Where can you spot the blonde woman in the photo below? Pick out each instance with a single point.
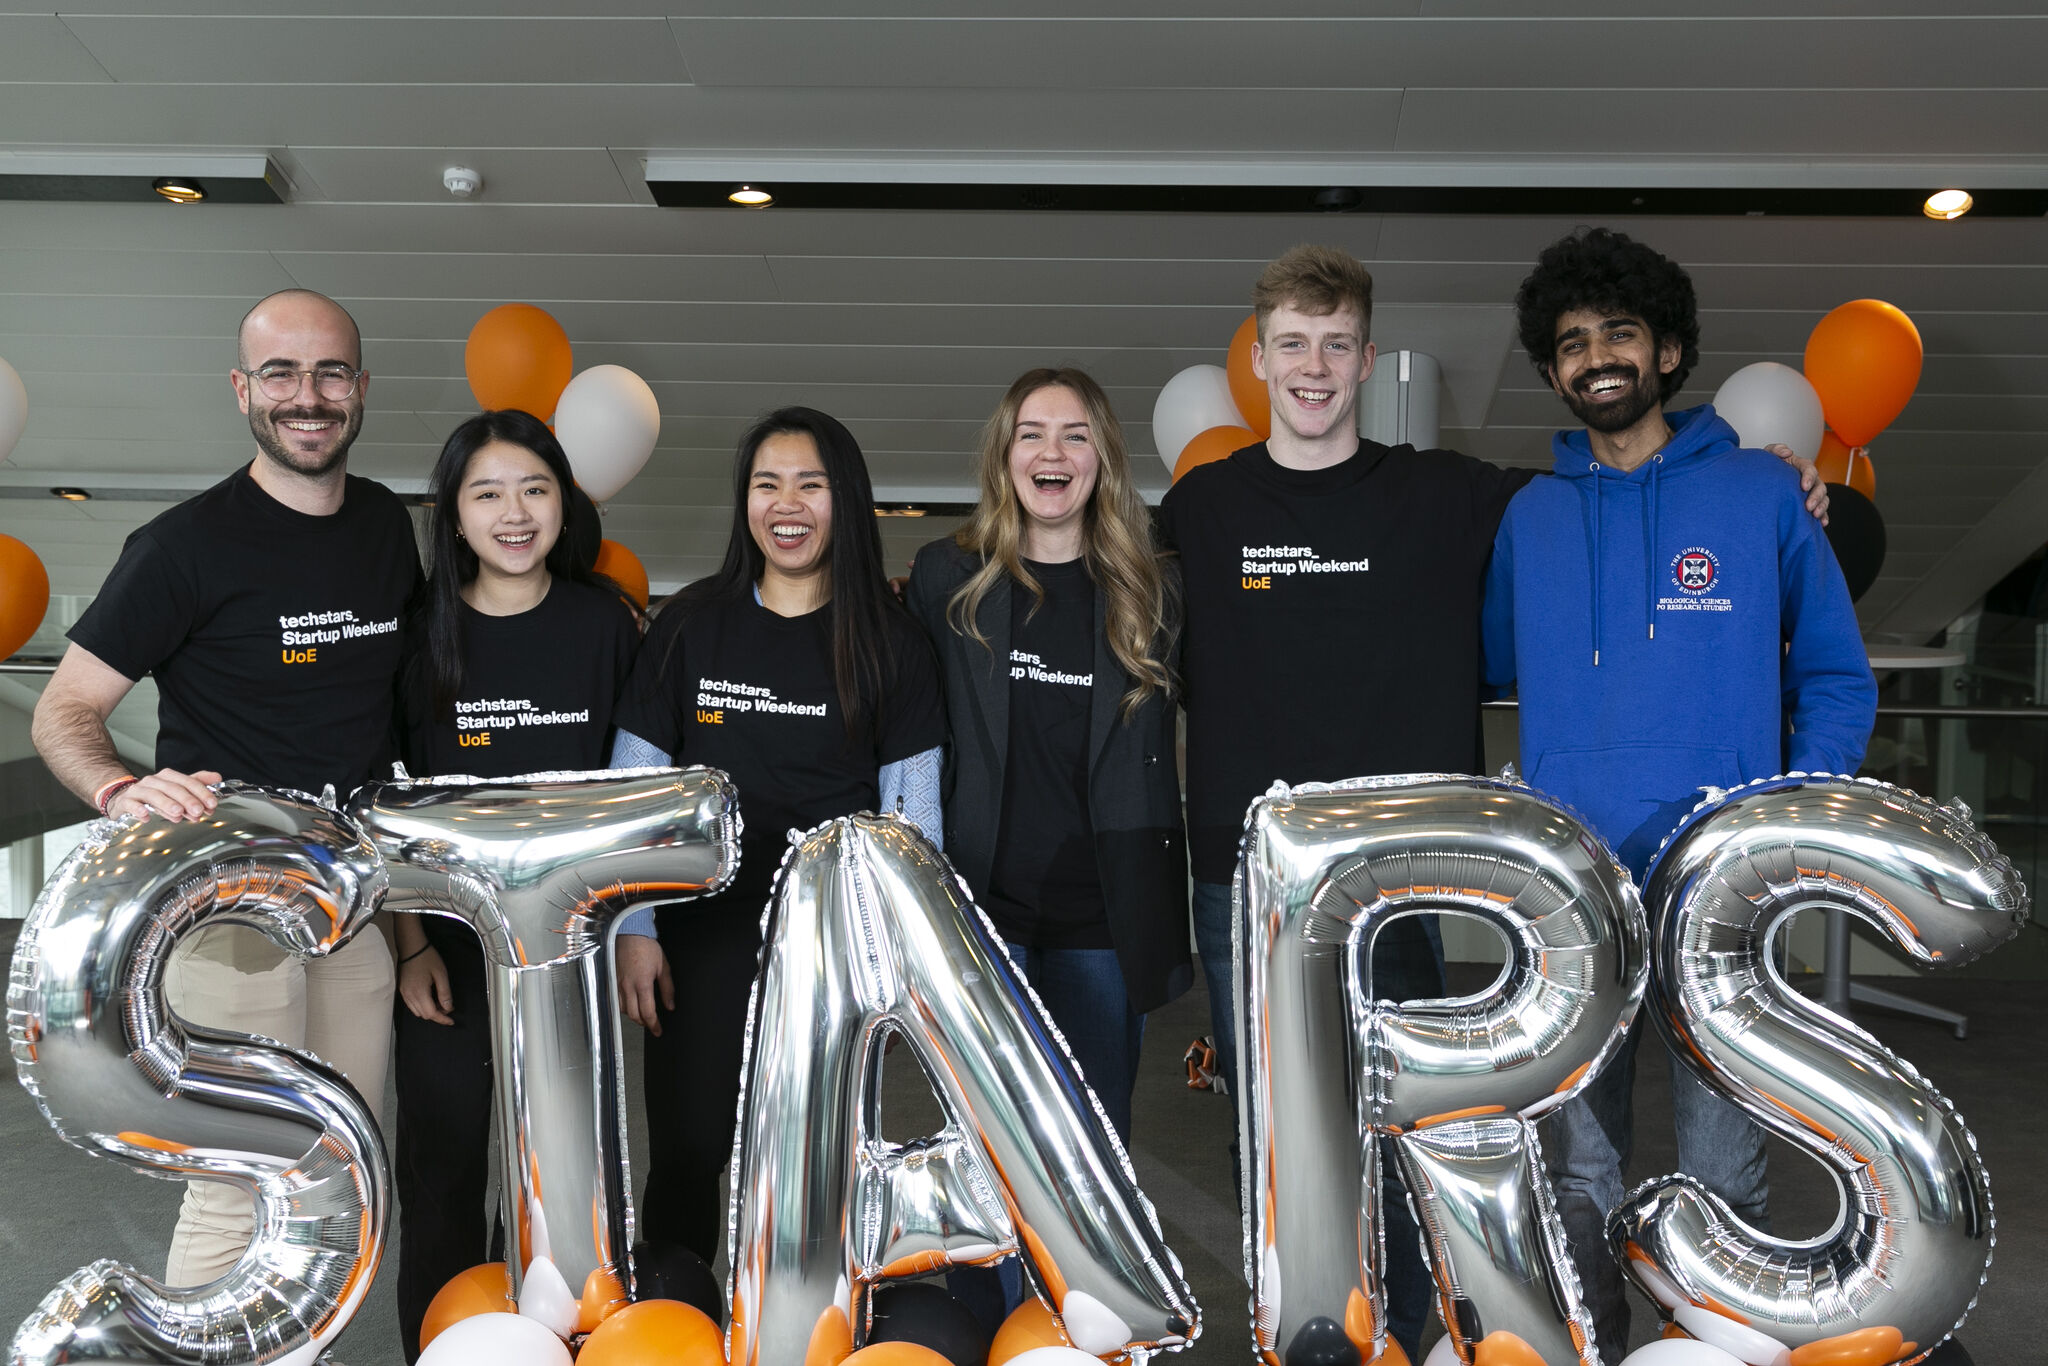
(1054, 615)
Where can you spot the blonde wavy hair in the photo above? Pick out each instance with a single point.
(1116, 533)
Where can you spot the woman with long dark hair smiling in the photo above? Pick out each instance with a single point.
(799, 618)
(517, 655)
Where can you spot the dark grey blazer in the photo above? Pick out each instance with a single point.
(1133, 779)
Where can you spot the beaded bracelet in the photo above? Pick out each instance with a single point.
(104, 798)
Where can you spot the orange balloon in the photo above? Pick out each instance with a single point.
(1214, 444)
(623, 568)
(1864, 1347)
(517, 357)
(831, 1339)
(896, 1354)
(603, 1297)
(655, 1333)
(1502, 1348)
(1247, 390)
(24, 594)
(1029, 1326)
(1672, 1330)
(1395, 1355)
(479, 1290)
(1840, 465)
(1864, 361)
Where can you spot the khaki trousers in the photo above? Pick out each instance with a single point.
(337, 1008)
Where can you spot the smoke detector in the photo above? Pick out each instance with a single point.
(462, 182)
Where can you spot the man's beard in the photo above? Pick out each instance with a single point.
(1617, 415)
(263, 425)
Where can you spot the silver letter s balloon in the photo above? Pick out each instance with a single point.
(539, 866)
(1328, 1068)
(1914, 1238)
(115, 1073)
(871, 935)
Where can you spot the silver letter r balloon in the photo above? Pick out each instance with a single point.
(1329, 1069)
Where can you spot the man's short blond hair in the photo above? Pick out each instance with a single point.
(1317, 281)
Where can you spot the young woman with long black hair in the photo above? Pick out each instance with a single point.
(512, 628)
(1054, 616)
(799, 614)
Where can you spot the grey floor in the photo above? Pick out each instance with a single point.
(60, 1208)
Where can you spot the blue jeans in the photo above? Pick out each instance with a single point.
(1587, 1147)
(1083, 991)
(1407, 962)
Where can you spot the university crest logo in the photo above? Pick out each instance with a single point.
(1695, 569)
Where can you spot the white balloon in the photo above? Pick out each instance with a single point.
(13, 408)
(499, 1339)
(1189, 404)
(607, 421)
(1736, 1339)
(1443, 1354)
(1663, 1352)
(544, 1297)
(1768, 402)
(1054, 1356)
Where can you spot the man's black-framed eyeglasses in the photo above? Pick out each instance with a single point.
(280, 382)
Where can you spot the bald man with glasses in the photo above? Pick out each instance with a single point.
(269, 611)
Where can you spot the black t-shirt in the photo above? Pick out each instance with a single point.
(537, 689)
(735, 686)
(1045, 889)
(1332, 623)
(273, 635)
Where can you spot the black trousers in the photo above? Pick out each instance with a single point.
(692, 1071)
(442, 1154)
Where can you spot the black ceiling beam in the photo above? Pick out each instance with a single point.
(134, 189)
(1520, 200)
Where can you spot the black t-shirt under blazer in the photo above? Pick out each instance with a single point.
(274, 636)
(1045, 890)
(1332, 623)
(1133, 787)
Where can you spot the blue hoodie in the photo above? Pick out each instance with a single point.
(1646, 618)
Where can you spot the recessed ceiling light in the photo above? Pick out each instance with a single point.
(751, 196)
(1945, 204)
(71, 495)
(898, 510)
(179, 189)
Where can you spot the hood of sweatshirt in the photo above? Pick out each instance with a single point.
(1699, 437)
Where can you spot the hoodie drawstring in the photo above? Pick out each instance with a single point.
(1651, 529)
(1650, 550)
(1593, 545)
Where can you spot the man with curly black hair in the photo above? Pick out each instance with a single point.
(1665, 606)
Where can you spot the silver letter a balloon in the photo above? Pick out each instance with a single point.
(117, 1074)
(1328, 1068)
(540, 866)
(1914, 1237)
(869, 935)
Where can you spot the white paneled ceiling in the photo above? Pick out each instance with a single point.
(909, 325)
